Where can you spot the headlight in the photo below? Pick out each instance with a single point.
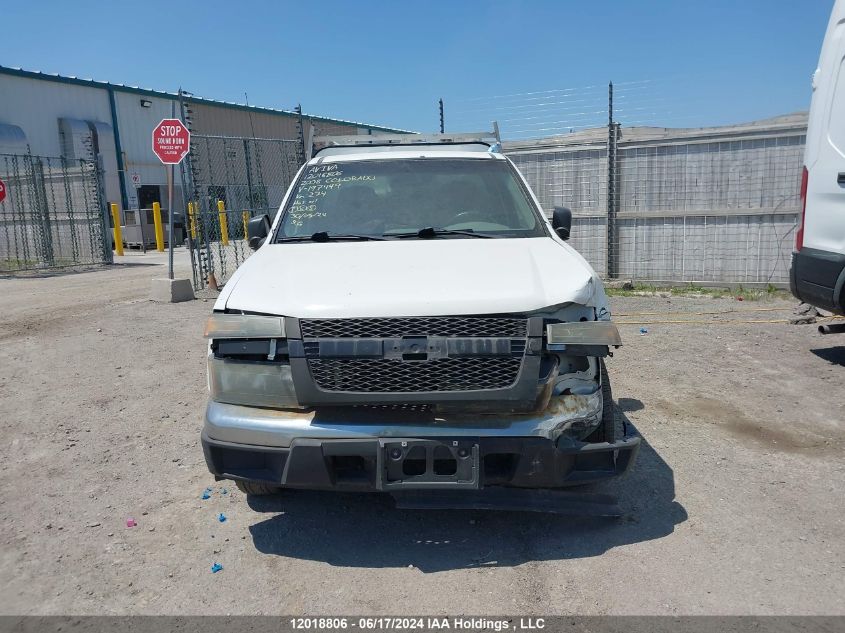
(244, 326)
(561, 336)
(253, 384)
(248, 361)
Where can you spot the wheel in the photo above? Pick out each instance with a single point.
(256, 488)
(611, 428)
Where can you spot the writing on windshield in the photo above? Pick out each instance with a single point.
(384, 197)
(318, 181)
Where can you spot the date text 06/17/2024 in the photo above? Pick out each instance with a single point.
(387, 623)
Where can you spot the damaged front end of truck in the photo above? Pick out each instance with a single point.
(413, 324)
(472, 402)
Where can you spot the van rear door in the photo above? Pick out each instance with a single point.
(819, 263)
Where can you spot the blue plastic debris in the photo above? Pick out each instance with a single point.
(643, 330)
(224, 492)
(221, 517)
(216, 567)
(206, 494)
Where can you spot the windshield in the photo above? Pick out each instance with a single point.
(402, 197)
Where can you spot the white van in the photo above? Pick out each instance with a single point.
(818, 262)
(411, 320)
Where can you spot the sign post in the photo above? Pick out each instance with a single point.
(171, 143)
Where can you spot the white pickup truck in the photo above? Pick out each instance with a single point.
(412, 321)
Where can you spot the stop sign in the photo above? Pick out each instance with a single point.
(171, 141)
(2, 191)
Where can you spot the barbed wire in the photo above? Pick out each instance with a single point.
(656, 102)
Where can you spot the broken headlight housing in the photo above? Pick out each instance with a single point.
(578, 345)
(248, 362)
(587, 338)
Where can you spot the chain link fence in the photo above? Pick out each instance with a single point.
(575, 178)
(681, 210)
(706, 205)
(52, 216)
(655, 203)
(232, 179)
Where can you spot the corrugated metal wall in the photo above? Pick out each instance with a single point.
(37, 106)
(136, 123)
(221, 121)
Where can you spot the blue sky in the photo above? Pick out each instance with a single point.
(675, 63)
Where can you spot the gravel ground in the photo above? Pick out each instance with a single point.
(734, 505)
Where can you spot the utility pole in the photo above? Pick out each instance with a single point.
(301, 153)
(189, 194)
(612, 246)
(442, 125)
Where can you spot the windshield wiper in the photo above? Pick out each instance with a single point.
(430, 231)
(325, 236)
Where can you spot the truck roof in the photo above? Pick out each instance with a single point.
(399, 152)
(398, 146)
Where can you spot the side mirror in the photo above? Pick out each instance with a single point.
(562, 222)
(257, 229)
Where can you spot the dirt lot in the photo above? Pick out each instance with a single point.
(734, 506)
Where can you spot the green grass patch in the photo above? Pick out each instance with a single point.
(693, 290)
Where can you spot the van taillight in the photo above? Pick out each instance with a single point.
(799, 236)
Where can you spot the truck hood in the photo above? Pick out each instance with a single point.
(409, 278)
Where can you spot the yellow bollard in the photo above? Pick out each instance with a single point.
(118, 234)
(224, 223)
(246, 221)
(193, 220)
(159, 228)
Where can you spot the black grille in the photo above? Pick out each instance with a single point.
(413, 326)
(441, 374)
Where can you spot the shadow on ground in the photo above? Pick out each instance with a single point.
(630, 404)
(70, 270)
(833, 355)
(364, 530)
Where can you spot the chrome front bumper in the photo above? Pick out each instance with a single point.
(277, 428)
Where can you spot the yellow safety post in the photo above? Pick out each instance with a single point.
(224, 223)
(159, 227)
(118, 234)
(193, 220)
(246, 221)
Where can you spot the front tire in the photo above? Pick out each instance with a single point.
(612, 427)
(257, 488)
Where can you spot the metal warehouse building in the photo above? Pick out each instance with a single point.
(55, 116)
